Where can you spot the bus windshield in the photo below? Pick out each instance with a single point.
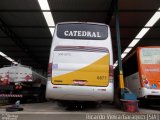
(150, 56)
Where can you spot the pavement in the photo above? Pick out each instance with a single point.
(52, 111)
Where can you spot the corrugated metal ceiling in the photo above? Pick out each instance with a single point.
(25, 20)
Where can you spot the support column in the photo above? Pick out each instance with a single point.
(120, 69)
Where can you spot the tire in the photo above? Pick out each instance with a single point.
(13, 109)
(144, 103)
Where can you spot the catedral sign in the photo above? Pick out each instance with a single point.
(82, 31)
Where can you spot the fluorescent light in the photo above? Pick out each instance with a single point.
(127, 50)
(49, 18)
(115, 65)
(142, 32)
(15, 62)
(52, 30)
(116, 62)
(44, 4)
(134, 42)
(47, 15)
(153, 19)
(8, 58)
(2, 54)
(123, 55)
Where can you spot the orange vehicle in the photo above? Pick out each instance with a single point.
(146, 80)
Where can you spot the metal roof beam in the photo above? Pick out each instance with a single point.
(26, 37)
(46, 27)
(37, 38)
(67, 10)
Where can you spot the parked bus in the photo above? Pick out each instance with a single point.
(81, 63)
(144, 78)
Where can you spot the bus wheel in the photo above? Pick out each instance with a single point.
(144, 103)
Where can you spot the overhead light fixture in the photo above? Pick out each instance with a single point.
(123, 55)
(127, 50)
(47, 15)
(2, 54)
(49, 18)
(52, 30)
(142, 33)
(44, 4)
(115, 65)
(15, 62)
(153, 19)
(134, 42)
(8, 58)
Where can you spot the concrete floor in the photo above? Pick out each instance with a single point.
(51, 111)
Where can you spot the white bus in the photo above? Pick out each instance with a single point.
(81, 63)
